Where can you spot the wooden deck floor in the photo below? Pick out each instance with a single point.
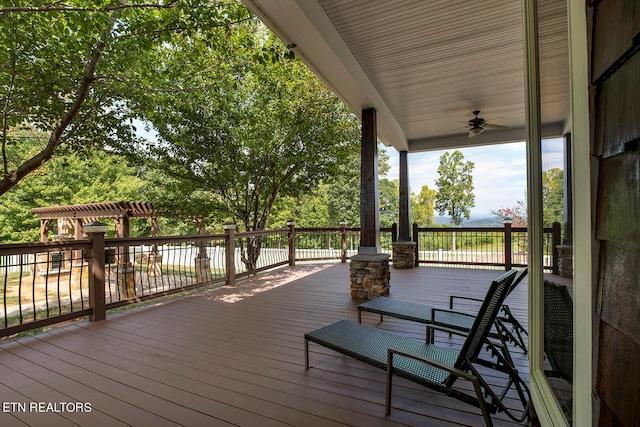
(234, 356)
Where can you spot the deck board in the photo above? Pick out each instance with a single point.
(235, 356)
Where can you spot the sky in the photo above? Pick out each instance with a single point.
(499, 175)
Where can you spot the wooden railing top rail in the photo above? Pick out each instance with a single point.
(476, 229)
(261, 232)
(133, 241)
(32, 248)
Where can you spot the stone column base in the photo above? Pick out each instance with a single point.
(404, 254)
(369, 276)
(154, 266)
(203, 270)
(79, 275)
(565, 260)
(127, 282)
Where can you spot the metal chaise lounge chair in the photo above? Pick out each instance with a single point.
(442, 318)
(558, 330)
(435, 367)
(511, 329)
(558, 337)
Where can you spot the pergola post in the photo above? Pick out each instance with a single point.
(44, 230)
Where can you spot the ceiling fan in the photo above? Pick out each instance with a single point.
(478, 124)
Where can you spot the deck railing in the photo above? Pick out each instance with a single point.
(46, 283)
(499, 246)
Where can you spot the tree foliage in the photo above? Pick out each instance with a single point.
(455, 187)
(66, 70)
(258, 127)
(552, 201)
(552, 196)
(389, 201)
(75, 178)
(422, 207)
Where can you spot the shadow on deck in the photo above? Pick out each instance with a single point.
(234, 356)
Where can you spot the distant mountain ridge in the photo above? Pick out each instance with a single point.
(474, 221)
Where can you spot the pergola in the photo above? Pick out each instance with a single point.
(78, 215)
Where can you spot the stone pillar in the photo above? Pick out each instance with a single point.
(203, 269)
(154, 265)
(369, 276)
(79, 267)
(404, 254)
(40, 267)
(565, 260)
(126, 281)
(79, 275)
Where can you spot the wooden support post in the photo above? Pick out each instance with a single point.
(95, 231)
(415, 239)
(568, 192)
(343, 240)
(507, 246)
(556, 240)
(44, 230)
(369, 197)
(230, 253)
(292, 242)
(404, 219)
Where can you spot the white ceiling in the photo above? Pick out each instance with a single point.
(426, 65)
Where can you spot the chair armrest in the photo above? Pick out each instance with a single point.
(452, 297)
(454, 371)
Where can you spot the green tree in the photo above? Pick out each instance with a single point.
(422, 207)
(67, 68)
(259, 127)
(552, 201)
(183, 208)
(455, 188)
(344, 192)
(343, 202)
(65, 180)
(552, 196)
(389, 201)
(308, 210)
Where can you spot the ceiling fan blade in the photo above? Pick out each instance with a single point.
(495, 119)
(492, 126)
(475, 131)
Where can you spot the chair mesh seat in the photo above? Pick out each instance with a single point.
(401, 309)
(370, 345)
(453, 320)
